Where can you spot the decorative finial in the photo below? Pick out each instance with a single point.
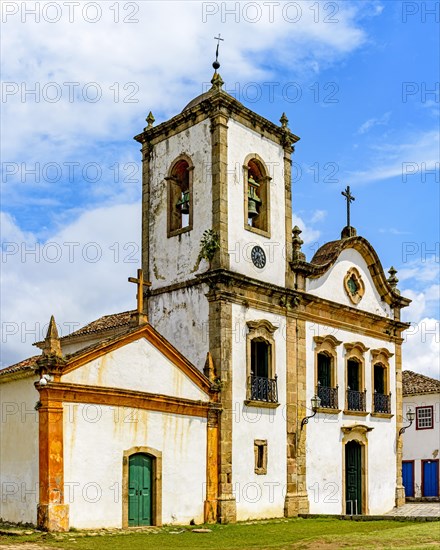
(52, 344)
(393, 280)
(284, 121)
(297, 242)
(216, 63)
(348, 231)
(150, 120)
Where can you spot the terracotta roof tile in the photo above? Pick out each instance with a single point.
(415, 383)
(107, 322)
(26, 364)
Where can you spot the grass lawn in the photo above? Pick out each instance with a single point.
(282, 534)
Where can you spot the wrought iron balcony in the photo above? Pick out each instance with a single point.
(356, 400)
(382, 403)
(328, 396)
(263, 389)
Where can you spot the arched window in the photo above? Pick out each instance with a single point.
(260, 363)
(380, 370)
(180, 200)
(256, 196)
(326, 371)
(355, 378)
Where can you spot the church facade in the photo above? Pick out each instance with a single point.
(249, 382)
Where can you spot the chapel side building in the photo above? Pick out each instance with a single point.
(421, 440)
(277, 328)
(193, 407)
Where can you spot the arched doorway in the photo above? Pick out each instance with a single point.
(353, 478)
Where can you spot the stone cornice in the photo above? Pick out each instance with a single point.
(209, 107)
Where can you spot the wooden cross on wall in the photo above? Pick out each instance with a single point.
(349, 197)
(139, 281)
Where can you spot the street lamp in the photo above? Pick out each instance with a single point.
(410, 415)
(316, 402)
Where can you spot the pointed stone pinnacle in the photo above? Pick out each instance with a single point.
(284, 121)
(52, 345)
(150, 120)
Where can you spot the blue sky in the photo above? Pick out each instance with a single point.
(357, 80)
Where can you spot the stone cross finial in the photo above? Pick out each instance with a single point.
(349, 197)
(52, 344)
(139, 281)
(392, 279)
(297, 242)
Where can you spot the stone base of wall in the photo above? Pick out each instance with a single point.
(400, 496)
(53, 517)
(296, 504)
(227, 510)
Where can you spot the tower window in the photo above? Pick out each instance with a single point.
(260, 454)
(180, 200)
(256, 200)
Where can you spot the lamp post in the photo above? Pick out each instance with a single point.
(316, 402)
(410, 415)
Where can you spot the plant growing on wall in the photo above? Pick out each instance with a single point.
(209, 244)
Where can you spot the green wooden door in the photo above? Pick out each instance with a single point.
(353, 478)
(140, 482)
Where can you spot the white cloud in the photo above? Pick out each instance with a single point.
(421, 349)
(372, 122)
(409, 160)
(77, 274)
(309, 235)
(318, 216)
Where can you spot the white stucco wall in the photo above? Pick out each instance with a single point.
(331, 284)
(257, 496)
(137, 366)
(95, 439)
(324, 435)
(19, 451)
(421, 445)
(242, 142)
(182, 318)
(173, 259)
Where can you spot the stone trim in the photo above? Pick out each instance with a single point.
(400, 489)
(261, 404)
(381, 415)
(157, 483)
(326, 410)
(147, 150)
(357, 296)
(212, 470)
(347, 412)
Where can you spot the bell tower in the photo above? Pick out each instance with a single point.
(217, 247)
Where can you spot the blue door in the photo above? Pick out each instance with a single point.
(430, 478)
(408, 477)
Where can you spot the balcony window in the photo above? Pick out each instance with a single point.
(381, 400)
(325, 391)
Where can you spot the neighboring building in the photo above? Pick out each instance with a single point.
(421, 441)
(201, 414)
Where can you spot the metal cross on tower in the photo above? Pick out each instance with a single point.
(216, 64)
(350, 198)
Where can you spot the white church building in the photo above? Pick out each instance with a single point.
(248, 383)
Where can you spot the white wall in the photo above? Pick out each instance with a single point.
(242, 142)
(182, 317)
(331, 284)
(19, 451)
(421, 445)
(324, 435)
(137, 366)
(258, 496)
(173, 259)
(95, 438)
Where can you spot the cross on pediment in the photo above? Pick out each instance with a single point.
(139, 281)
(349, 198)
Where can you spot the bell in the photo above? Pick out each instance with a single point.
(183, 203)
(253, 199)
(252, 208)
